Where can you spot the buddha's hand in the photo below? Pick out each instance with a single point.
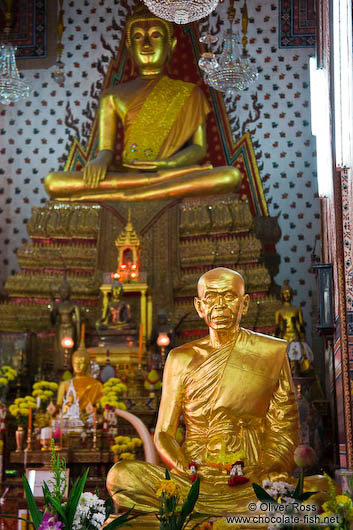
(150, 165)
(96, 170)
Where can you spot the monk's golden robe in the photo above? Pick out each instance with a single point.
(241, 394)
(154, 124)
(88, 390)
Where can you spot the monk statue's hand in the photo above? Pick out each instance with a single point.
(150, 165)
(258, 473)
(95, 171)
(180, 467)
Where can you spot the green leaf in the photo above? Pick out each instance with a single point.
(5, 516)
(262, 494)
(299, 488)
(74, 497)
(306, 495)
(58, 508)
(109, 507)
(122, 519)
(36, 514)
(167, 474)
(46, 493)
(190, 501)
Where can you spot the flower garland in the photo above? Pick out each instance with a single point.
(112, 391)
(44, 391)
(7, 374)
(125, 447)
(20, 407)
(232, 463)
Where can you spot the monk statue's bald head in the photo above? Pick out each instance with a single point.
(219, 276)
(221, 300)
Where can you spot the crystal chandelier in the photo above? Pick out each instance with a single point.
(181, 11)
(231, 71)
(12, 88)
(58, 75)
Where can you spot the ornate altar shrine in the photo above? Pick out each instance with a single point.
(121, 292)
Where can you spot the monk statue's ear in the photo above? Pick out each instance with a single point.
(197, 304)
(246, 302)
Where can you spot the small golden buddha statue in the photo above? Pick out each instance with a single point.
(235, 392)
(164, 132)
(116, 314)
(65, 315)
(290, 326)
(86, 388)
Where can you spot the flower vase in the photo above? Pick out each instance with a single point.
(19, 438)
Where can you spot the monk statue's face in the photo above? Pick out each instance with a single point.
(150, 46)
(80, 364)
(222, 300)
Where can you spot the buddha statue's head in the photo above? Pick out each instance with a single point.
(80, 361)
(64, 289)
(221, 300)
(286, 292)
(149, 40)
(117, 290)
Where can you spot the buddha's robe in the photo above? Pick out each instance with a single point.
(88, 390)
(159, 121)
(241, 394)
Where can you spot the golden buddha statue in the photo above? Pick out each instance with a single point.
(290, 326)
(87, 389)
(65, 315)
(116, 314)
(235, 392)
(164, 132)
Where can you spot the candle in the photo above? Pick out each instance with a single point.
(140, 344)
(29, 420)
(95, 428)
(61, 430)
(83, 326)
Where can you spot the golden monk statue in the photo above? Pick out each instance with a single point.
(86, 388)
(290, 326)
(235, 392)
(164, 132)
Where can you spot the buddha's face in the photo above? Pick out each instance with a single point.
(221, 301)
(286, 295)
(64, 292)
(116, 293)
(150, 46)
(79, 363)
